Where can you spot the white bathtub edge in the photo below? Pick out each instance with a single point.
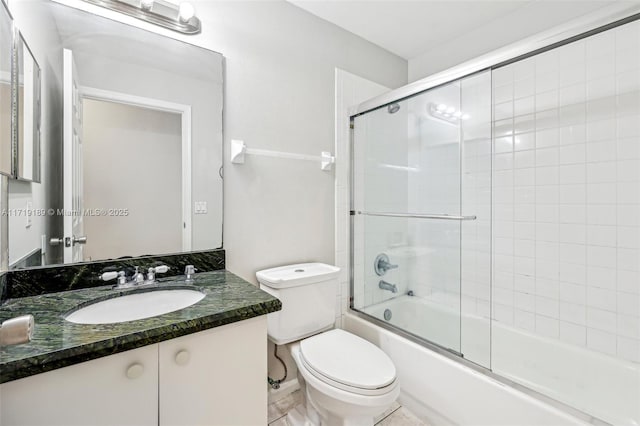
(442, 391)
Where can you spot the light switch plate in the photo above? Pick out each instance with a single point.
(200, 207)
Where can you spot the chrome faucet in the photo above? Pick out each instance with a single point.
(137, 278)
(383, 285)
(189, 271)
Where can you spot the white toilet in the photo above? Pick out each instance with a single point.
(345, 379)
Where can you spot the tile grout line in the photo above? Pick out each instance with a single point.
(390, 414)
(275, 420)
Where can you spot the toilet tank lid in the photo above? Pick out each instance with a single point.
(297, 275)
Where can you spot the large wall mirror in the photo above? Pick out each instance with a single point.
(130, 142)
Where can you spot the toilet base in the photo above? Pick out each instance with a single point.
(299, 417)
(325, 405)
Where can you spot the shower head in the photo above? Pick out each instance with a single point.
(393, 108)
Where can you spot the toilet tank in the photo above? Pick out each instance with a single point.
(308, 294)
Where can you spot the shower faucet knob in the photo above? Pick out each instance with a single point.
(382, 264)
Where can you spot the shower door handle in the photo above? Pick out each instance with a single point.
(416, 215)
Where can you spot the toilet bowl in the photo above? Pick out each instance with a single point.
(346, 380)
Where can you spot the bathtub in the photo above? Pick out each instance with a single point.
(445, 391)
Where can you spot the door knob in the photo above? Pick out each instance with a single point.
(56, 241)
(182, 357)
(79, 240)
(68, 241)
(135, 370)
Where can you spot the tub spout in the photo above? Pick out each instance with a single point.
(387, 286)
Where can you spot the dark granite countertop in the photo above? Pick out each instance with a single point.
(58, 343)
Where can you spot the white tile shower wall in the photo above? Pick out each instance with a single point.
(566, 193)
(434, 188)
(350, 90)
(475, 268)
(452, 162)
(455, 259)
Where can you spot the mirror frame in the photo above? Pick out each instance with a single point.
(13, 107)
(19, 41)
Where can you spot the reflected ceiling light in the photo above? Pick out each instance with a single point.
(158, 12)
(146, 4)
(396, 167)
(446, 113)
(186, 12)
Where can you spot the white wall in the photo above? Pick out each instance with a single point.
(147, 180)
(283, 59)
(567, 195)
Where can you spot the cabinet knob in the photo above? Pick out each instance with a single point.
(135, 370)
(182, 358)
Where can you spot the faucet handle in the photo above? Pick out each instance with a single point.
(161, 269)
(152, 271)
(382, 264)
(108, 276)
(121, 276)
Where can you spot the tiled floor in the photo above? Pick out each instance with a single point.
(394, 416)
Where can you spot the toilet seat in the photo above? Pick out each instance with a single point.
(348, 362)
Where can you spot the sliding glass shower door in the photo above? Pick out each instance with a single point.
(415, 196)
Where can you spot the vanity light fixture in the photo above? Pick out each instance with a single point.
(181, 18)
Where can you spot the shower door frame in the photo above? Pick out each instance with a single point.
(548, 40)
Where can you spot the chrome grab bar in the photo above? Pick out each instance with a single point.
(416, 216)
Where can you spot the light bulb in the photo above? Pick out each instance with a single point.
(186, 12)
(441, 107)
(466, 116)
(458, 114)
(146, 4)
(451, 110)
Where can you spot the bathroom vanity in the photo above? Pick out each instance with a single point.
(203, 365)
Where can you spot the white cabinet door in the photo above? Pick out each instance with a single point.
(215, 377)
(120, 389)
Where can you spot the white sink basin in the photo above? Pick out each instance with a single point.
(135, 306)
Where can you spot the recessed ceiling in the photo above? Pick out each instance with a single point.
(411, 28)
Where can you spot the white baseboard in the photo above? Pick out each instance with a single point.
(285, 389)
